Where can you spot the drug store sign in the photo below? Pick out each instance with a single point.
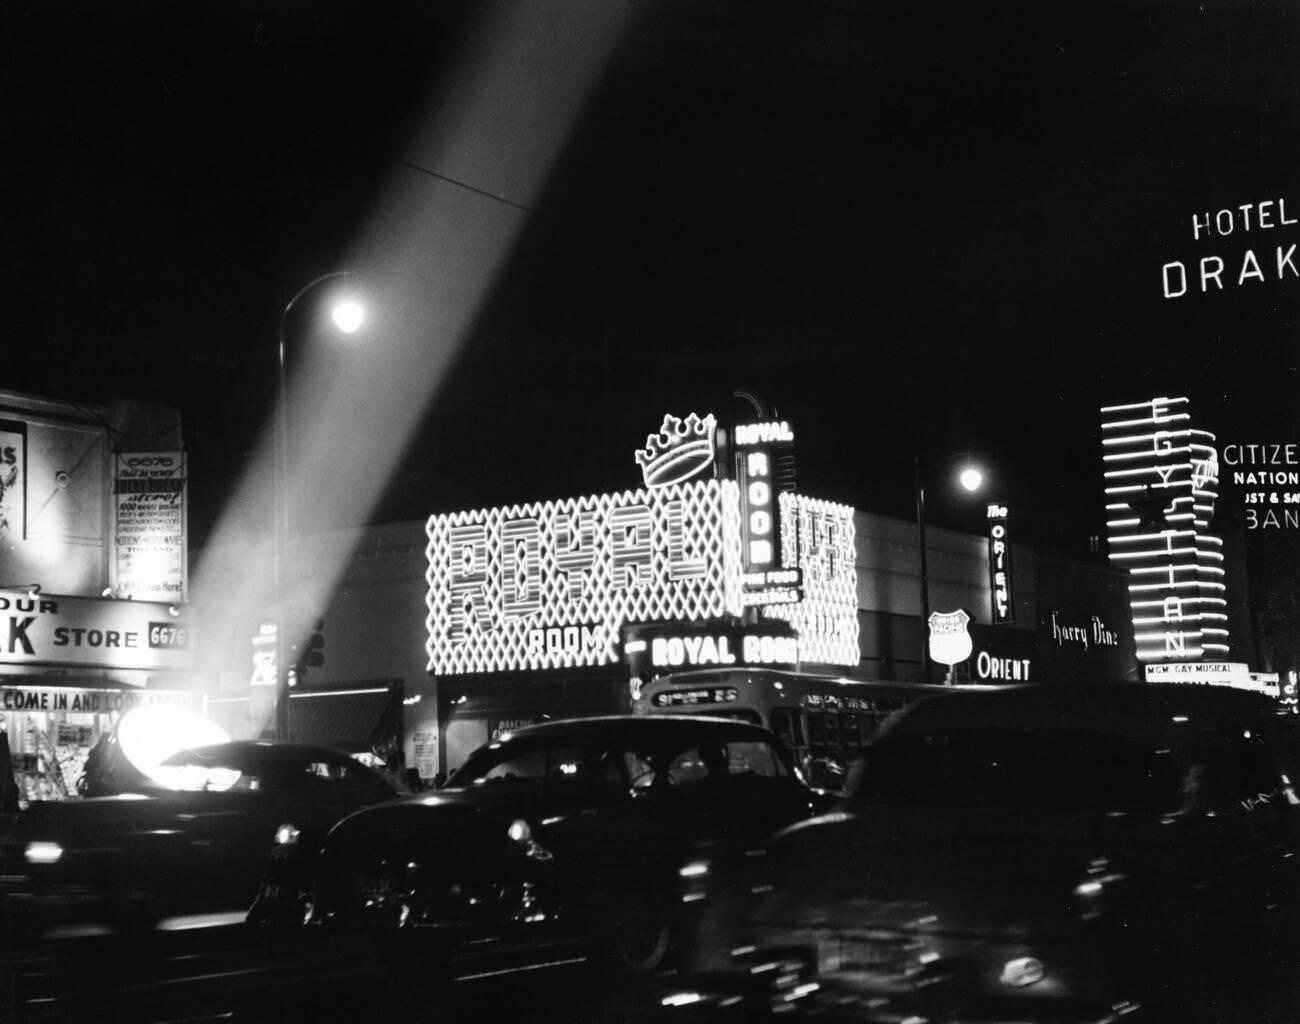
(53, 629)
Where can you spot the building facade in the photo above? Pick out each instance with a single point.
(93, 578)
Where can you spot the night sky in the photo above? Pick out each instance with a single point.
(911, 229)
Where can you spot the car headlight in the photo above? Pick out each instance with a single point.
(521, 834)
(1022, 972)
(43, 853)
(287, 835)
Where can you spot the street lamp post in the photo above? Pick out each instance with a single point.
(347, 315)
(971, 480)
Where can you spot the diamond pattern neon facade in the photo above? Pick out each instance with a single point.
(549, 585)
(1162, 482)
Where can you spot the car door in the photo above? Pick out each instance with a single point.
(1242, 842)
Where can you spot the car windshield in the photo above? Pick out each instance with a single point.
(682, 760)
(1049, 769)
(207, 770)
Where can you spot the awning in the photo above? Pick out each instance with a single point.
(364, 718)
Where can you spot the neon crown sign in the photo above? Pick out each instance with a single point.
(682, 449)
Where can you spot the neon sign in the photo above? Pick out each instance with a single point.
(681, 450)
(1162, 479)
(760, 519)
(548, 585)
(818, 537)
(1004, 609)
(652, 648)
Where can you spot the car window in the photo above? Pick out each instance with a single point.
(322, 776)
(713, 760)
(526, 761)
(1048, 769)
(788, 724)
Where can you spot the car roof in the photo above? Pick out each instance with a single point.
(1148, 711)
(640, 728)
(259, 752)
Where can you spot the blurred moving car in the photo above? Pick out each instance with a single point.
(184, 846)
(566, 832)
(1033, 854)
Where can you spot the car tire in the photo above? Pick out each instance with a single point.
(639, 939)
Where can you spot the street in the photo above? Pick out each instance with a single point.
(224, 974)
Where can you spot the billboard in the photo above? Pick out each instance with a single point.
(149, 547)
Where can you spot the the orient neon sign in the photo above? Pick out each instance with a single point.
(1162, 481)
(1004, 609)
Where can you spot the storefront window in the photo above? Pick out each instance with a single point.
(52, 730)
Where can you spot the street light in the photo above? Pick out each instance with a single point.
(971, 479)
(347, 314)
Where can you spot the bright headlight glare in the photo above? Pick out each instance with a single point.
(286, 835)
(1022, 971)
(519, 831)
(43, 853)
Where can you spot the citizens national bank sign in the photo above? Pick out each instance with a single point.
(551, 584)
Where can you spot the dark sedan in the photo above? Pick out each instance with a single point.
(578, 831)
(185, 849)
(1036, 854)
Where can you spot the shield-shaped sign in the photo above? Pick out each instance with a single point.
(950, 641)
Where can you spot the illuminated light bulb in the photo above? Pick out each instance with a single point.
(971, 479)
(348, 316)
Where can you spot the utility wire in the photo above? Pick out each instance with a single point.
(466, 187)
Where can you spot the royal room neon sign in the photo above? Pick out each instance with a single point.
(551, 585)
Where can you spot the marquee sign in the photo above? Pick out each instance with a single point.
(1162, 479)
(654, 648)
(1004, 608)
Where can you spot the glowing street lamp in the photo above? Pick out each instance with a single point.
(971, 479)
(347, 315)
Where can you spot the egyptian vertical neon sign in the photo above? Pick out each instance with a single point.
(1162, 480)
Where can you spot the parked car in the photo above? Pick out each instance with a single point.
(1033, 854)
(184, 848)
(565, 832)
